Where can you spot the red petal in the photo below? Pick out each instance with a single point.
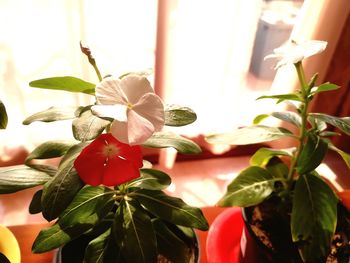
(95, 168)
(119, 171)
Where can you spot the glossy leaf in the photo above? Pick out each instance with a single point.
(61, 189)
(97, 250)
(277, 168)
(249, 188)
(152, 179)
(66, 83)
(281, 97)
(89, 205)
(262, 156)
(344, 155)
(259, 118)
(133, 230)
(176, 115)
(324, 87)
(16, 178)
(314, 216)
(88, 126)
(169, 139)
(170, 245)
(171, 209)
(250, 135)
(3, 116)
(35, 204)
(86, 210)
(342, 124)
(312, 155)
(56, 236)
(52, 114)
(288, 116)
(50, 149)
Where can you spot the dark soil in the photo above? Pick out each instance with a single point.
(270, 221)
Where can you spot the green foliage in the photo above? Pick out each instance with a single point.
(52, 114)
(132, 222)
(66, 83)
(176, 115)
(290, 174)
(16, 178)
(314, 217)
(171, 209)
(88, 126)
(250, 135)
(252, 186)
(134, 232)
(169, 139)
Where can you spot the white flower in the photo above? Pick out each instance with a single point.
(137, 111)
(292, 52)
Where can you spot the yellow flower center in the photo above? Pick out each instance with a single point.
(130, 106)
(110, 150)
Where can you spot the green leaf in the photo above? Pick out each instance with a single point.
(250, 135)
(61, 189)
(324, 87)
(87, 209)
(88, 126)
(3, 116)
(171, 209)
(176, 115)
(312, 154)
(133, 230)
(170, 245)
(262, 156)
(66, 83)
(52, 114)
(314, 217)
(277, 168)
(260, 118)
(282, 97)
(50, 149)
(249, 188)
(317, 123)
(35, 204)
(97, 250)
(342, 124)
(344, 155)
(56, 236)
(168, 139)
(288, 116)
(90, 204)
(151, 179)
(16, 178)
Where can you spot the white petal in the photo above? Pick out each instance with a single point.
(313, 47)
(134, 132)
(134, 87)
(151, 107)
(117, 112)
(120, 131)
(109, 92)
(139, 128)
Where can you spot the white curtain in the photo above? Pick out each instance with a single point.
(40, 38)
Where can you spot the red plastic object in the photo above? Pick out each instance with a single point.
(224, 236)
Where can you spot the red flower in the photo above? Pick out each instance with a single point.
(109, 162)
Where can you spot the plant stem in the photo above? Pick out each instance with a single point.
(305, 89)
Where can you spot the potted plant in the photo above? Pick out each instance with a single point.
(290, 210)
(105, 202)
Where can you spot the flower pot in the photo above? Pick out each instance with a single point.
(9, 246)
(253, 249)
